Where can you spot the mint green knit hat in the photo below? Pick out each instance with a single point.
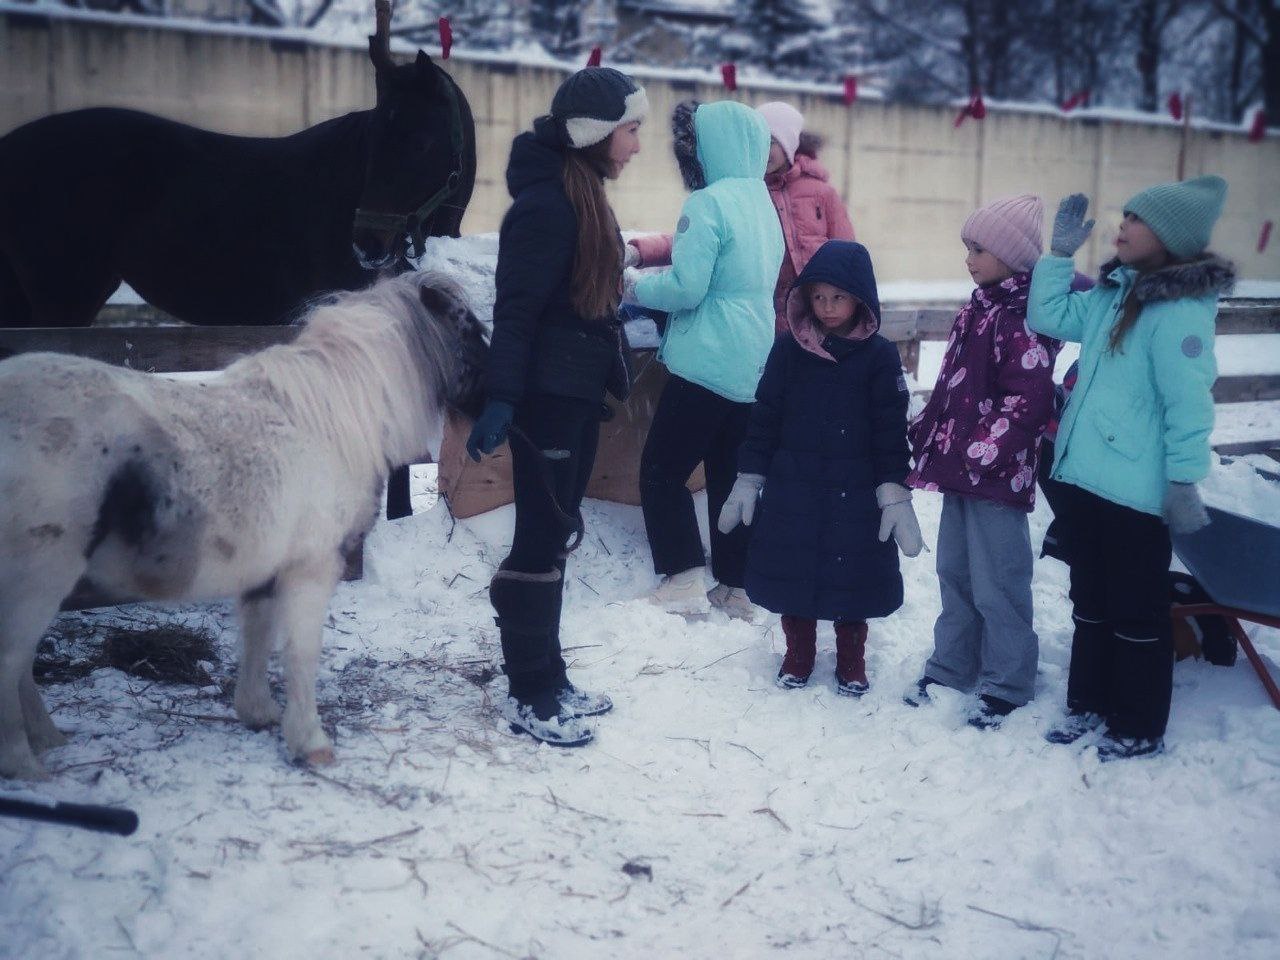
(1181, 215)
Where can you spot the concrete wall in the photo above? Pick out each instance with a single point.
(909, 176)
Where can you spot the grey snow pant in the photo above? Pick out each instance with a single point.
(984, 632)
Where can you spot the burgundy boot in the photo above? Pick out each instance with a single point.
(802, 649)
(851, 664)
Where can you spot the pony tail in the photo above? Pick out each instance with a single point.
(597, 263)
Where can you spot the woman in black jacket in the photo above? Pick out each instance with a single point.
(555, 350)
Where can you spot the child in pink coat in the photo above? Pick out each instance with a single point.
(809, 208)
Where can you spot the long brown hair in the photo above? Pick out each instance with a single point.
(1128, 317)
(597, 263)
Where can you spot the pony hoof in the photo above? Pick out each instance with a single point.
(25, 769)
(320, 757)
(48, 740)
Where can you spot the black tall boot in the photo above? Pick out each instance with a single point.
(580, 703)
(526, 605)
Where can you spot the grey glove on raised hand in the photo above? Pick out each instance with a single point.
(1183, 509)
(631, 255)
(898, 518)
(740, 506)
(629, 277)
(1070, 229)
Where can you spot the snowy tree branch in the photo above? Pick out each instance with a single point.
(1249, 29)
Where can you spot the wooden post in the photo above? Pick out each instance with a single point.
(1186, 134)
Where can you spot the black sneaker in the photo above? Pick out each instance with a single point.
(917, 694)
(851, 688)
(990, 712)
(580, 703)
(544, 719)
(1127, 748)
(789, 681)
(1073, 726)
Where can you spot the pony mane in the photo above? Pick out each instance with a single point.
(369, 372)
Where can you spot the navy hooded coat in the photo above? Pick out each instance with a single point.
(829, 425)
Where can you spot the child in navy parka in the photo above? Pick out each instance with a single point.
(827, 444)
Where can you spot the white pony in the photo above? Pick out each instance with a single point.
(247, 484)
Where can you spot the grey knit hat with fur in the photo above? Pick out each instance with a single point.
(594, 102)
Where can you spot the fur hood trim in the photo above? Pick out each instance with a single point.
(1208, 273)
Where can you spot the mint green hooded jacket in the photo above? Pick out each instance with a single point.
(1139, 417)
(725, 259)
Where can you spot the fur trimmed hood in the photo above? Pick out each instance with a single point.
(685, 144)
(1206, 274)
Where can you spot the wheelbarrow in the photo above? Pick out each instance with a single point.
(1236, 560)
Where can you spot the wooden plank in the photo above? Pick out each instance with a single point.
(157, 349)
(1258, 317)
(1244, 389)
(1270, 447)
(935, 324)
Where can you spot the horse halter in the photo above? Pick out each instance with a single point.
(412, 223)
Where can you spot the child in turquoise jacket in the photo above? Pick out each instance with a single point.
(1132, 444)
(725, 259)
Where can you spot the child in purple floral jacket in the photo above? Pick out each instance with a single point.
(976, 441)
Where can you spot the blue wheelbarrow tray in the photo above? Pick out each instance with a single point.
(1237, 561)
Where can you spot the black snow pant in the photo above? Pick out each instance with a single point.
(692, 425)
(1056, 496)
(1122, 650)
(528, 590)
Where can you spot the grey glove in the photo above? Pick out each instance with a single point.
(629, 277)
(898, 518)
(631, 258)
(1070, 229)
(1183, 509)
(740, 506)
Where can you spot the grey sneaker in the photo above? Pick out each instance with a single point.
(580, 703)
(555, 725)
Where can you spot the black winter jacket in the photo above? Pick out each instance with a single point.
(826, 431)
(540, 344)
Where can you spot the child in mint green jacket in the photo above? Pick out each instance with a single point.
(1132, 444)
(719, 292)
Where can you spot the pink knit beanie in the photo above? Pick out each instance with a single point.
(1009, 228)
(785, 125)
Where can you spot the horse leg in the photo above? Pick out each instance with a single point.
(303, 598)
(253, 701)
(73, 298)
(41, 732)
(398, 503)
(23, 619)
(15, 311)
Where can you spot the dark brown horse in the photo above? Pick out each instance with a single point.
(222, 229)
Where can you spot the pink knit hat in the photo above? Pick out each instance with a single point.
(785, 125)
(1010, 228)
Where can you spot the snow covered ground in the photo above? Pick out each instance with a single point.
(714, 815)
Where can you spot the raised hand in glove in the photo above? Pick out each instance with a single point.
(631, 255)
(1070, 229)
(740, 506)
(898, 518)
(490, 430)
(629, 278)
(1183, 509)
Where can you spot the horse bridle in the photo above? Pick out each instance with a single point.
(411, 224)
